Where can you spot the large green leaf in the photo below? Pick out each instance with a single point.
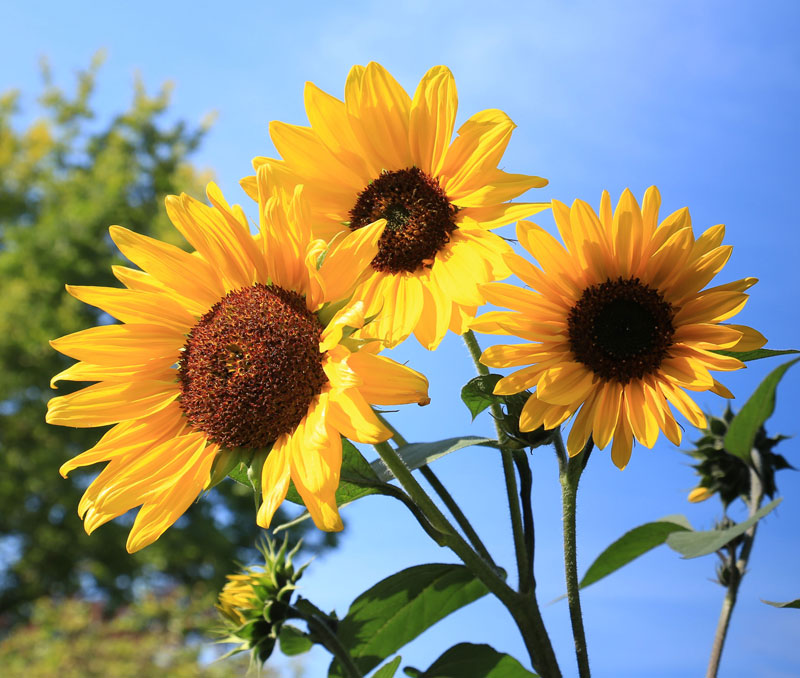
(633, 544)
(478, 393)
(467, 660)
(415, 455)
(695, 544)
(758, 354)
(758, 408)
(396, 610)
(792, 603)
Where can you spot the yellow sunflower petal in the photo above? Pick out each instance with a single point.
(350, 414)
(750, 341)
(275, 477)
(386, 382)
(348, 259)
(108, 403)
(122, 344)
(623, 444)
(432, 118)
(130, 306)
(154, 518)
(315, 468)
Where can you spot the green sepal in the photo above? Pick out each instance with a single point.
(389, 669)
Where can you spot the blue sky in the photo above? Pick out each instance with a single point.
(699, 98)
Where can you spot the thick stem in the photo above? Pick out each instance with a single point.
(526, 616)
(526, 582)
(569, 492)
(737, 567)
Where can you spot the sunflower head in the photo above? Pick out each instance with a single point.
(619, 323)
(242, 348)
(255, 602)
(726, 474)
(383, 154)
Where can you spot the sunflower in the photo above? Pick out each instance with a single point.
(382, 154)
(235, 346)
(619, 322)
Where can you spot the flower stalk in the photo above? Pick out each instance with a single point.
(570, 477)
(737, 566)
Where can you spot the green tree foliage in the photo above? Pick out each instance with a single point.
(155, 636)
(64, 178)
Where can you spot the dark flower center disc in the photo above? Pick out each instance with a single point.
(621, 329)
(419, 216)
(251, 367)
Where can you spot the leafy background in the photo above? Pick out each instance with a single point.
(700, 98)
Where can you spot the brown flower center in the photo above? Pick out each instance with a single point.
(621, 329)
(251, 367)
(420, 218)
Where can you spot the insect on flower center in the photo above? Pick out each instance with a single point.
(419, 216)
(251, 367)
(621, 329)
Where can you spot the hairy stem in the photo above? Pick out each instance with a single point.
(570, 476)
(737, 567)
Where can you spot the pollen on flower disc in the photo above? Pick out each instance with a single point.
(419, 216)
(251, 367)
(621, 329)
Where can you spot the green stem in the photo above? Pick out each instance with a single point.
(526, 616)
(737, 566)
(331, 642)
(446, 497)
(528, 582)
(570, 476)
(508, 466)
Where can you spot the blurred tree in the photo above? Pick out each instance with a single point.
(64, 179)
(155, 636)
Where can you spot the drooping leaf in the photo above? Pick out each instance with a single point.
(477, 394)
(419, 454)
(695, 544)
(758, 408)
(633, 544)
(468, 660)
(792, 603)
(758, 354)
(388, 670)
(293, 641)
(396, 610)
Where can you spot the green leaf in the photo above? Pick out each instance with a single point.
(633, 544)
(419, 454)
(357, 478)
(695, 544)
(388, 670)
(477, 393)
(758, 408)
(758, 354)
(467, 660)
(396, 610)
(293, 641)
(792, 603)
